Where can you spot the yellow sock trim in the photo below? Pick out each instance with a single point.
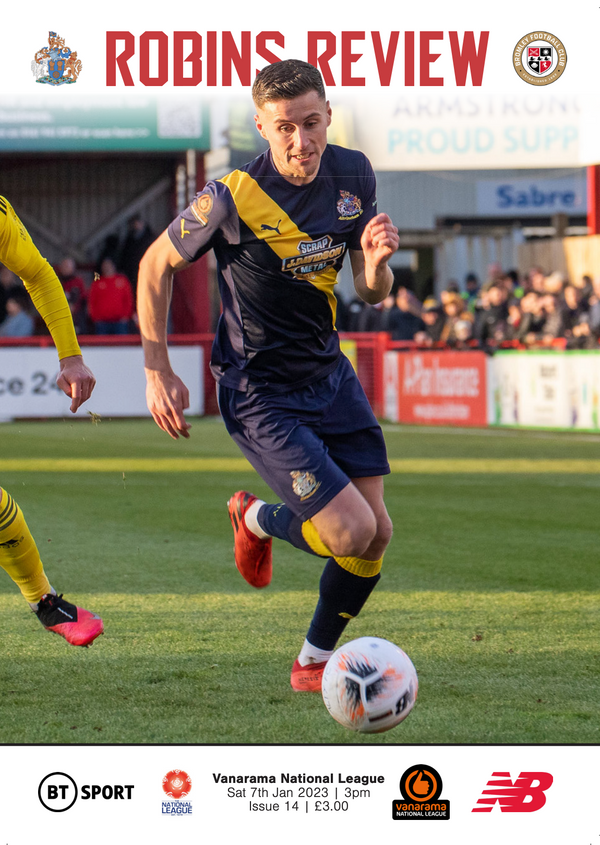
(359, 566)
(355, 565)
(18, 553)
(309, 532)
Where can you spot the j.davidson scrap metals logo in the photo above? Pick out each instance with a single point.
(540, 58)
(56, 64)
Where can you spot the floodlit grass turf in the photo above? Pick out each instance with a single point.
(491, 584)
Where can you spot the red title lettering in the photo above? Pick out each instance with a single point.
(189, 58)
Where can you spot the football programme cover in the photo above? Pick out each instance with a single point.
(148, 733)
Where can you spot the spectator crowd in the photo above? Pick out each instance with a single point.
(535, 311)
(105, 305)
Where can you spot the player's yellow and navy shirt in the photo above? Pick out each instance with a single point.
(279, 248)
(21, 256)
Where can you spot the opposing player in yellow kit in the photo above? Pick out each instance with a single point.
(19, 555)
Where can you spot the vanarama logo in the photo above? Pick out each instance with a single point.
(421, 787)
(539, 58)
(526, 795)
(314, 257)
(201, 208)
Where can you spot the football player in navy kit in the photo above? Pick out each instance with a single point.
(280, 227)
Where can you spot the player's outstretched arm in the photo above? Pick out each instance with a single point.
(373, 277)
(20, 254)
(166, 395)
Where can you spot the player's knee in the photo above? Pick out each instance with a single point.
(381, 540)
(385, 530)
(355, 536)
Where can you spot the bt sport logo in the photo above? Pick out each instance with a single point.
(58, 792)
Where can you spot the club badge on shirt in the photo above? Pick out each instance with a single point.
(349, 206)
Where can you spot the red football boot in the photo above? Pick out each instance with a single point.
(307, 678)
(76, 625)
(253, 556)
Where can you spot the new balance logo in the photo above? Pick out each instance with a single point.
(525, 795)
(266, 228)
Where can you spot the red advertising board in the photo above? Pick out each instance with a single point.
(439, 388)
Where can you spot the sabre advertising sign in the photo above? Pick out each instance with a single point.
(510, 197)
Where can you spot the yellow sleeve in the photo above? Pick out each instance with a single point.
(20, 254)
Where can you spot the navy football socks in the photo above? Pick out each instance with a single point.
(279, 521)
(342, 596)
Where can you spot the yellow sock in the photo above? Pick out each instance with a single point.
(18, 552)
(360, 566)
(312, 539)
(355, 565)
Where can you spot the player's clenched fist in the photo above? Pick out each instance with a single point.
(380, 239)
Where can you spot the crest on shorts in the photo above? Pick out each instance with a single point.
(201, 208)
(304, 484)
(56, 64)
(349, 206)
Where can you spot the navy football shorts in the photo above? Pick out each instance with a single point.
(307, 444)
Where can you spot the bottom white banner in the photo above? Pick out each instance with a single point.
(28, 381)
(294, 794)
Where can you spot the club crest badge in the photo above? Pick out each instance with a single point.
(56, 64)
(349, 207)
(539, 58)
(304, 484)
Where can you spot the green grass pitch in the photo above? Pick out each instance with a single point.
(491, 584)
